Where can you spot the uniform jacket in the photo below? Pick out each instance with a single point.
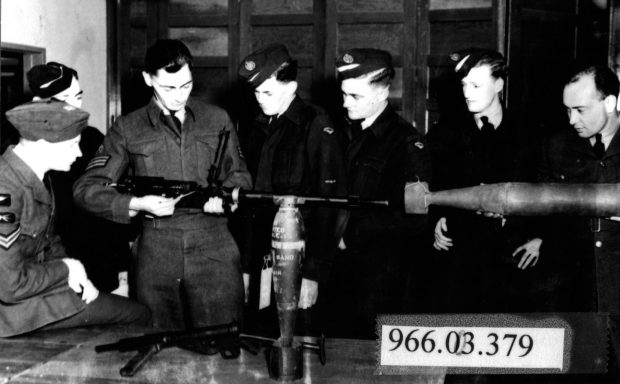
(380, 160)
(299, 153)
(145, 144)
(462, 159)
(34, 288)
(569, 158)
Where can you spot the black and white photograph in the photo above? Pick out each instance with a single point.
(310, 191)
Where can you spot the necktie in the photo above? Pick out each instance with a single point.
(598, 148)
(177, 123)
(487, 128)
(172, 122)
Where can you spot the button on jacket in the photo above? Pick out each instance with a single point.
(34, 288)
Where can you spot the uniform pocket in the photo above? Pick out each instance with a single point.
(146, 154)
(368, 176)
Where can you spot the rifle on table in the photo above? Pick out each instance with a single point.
(223, 338)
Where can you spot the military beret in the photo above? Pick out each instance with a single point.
(260, 65)
(360, 61)
(469, 58)
(53, 121)
(49, 79)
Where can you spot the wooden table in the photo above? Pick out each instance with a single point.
(68, 356)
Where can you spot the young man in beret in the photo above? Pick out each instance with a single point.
(385, 152)
(101, 245)
(40, 287)
(187, 266)
(292, 148)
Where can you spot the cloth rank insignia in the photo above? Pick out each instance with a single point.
(6, 241)
(97, 162)
(7, 217)
(5, 200)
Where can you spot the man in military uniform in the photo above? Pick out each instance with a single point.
(292, 148)
(482, 145)
(187, 266)
(590, 153)
(101, 245)
(385, 152)
(40, 287)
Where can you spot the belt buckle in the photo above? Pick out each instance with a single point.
(595, 225)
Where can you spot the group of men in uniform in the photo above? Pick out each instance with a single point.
(188, 270)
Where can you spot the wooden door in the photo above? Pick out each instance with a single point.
(221, 32)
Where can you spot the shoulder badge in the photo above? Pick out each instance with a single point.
(5, 200)
(328, 130)
(7, 217)
(6, 241)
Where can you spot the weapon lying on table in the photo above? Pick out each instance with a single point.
(223, 338)
(527, 199)
(195, 195)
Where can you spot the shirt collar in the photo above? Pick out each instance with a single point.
(293, 113)
(154, 109)
(382, 122)
(26, 175)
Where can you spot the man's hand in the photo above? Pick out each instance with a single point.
(246, 286)
(215, 206)
(308, 294)
(78, 281)
(531, 253)
(442, 242)
(155, 205)
(342, 246)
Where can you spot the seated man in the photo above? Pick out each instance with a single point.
(40, 287)
(102, 246)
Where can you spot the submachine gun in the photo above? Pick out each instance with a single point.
(194, 195)
(223, 338)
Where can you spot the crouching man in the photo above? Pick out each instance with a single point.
(40, 287)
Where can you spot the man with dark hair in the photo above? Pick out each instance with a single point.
(385, 152)
(187, 266)
(481, 146)
(589, 153)
(101, 245)
(291, 148)
(40, 286)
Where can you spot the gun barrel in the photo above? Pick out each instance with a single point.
(241, 196)
(526, 199)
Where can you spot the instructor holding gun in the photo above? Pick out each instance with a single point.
(187, 264)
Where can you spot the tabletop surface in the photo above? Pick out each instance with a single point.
(68, 356)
